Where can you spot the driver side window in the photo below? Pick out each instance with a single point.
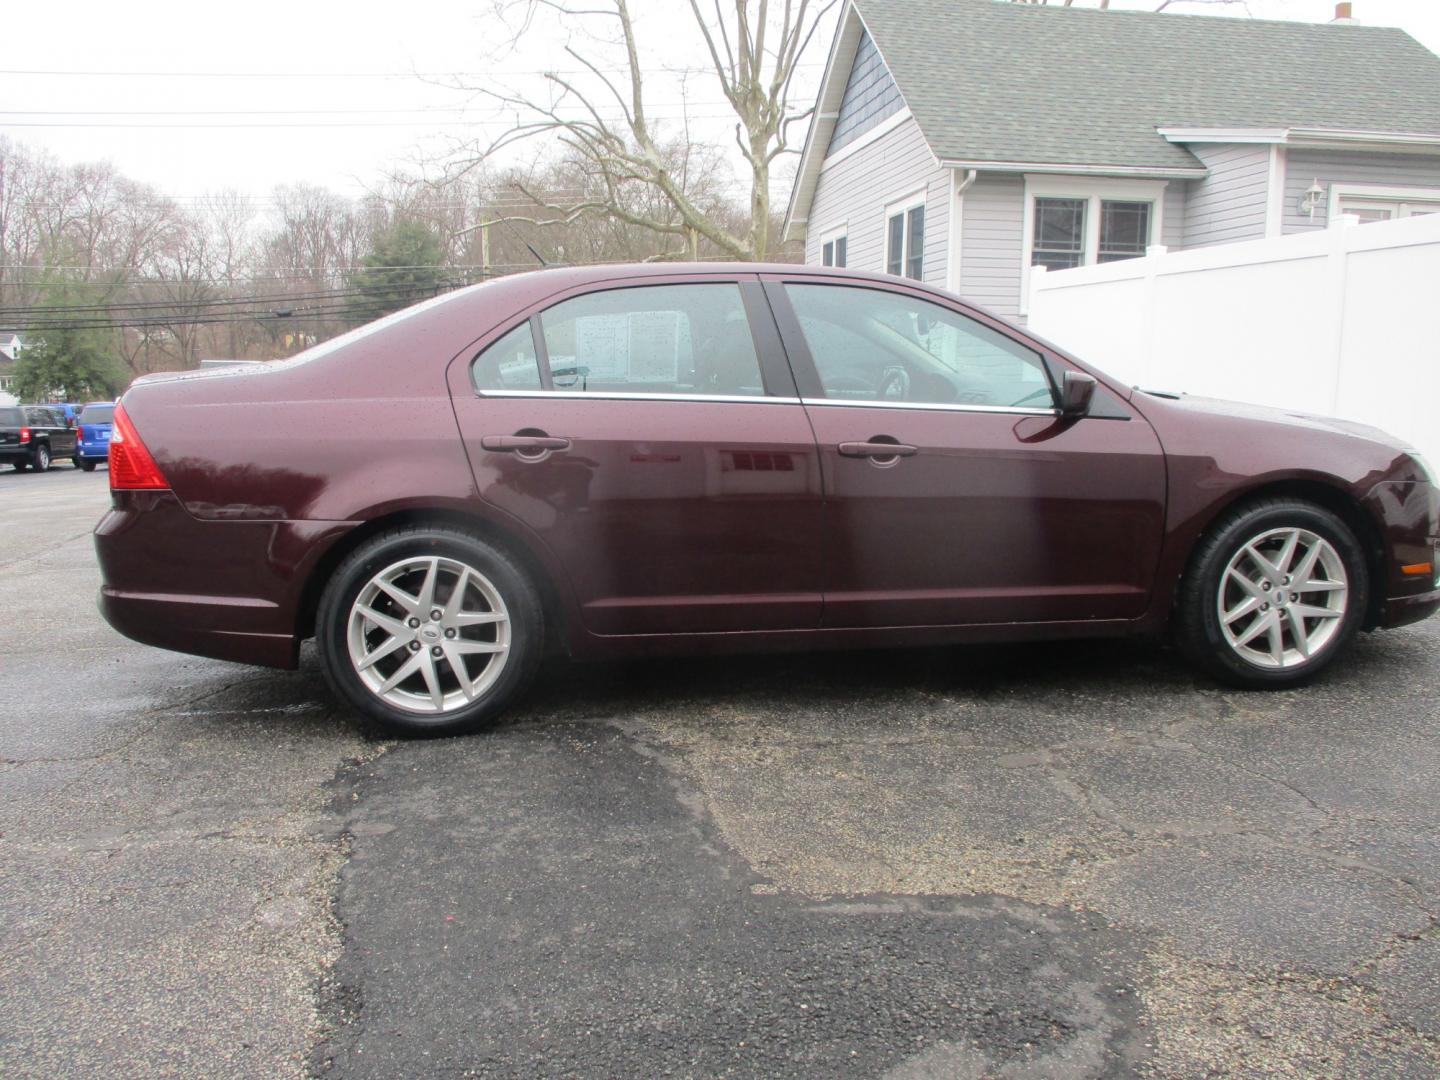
(872, 345)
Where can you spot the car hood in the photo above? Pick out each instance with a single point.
(1190, 405)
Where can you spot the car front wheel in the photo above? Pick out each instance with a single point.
(429, 631)
(1274, 593)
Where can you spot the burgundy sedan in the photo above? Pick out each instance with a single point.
(620, 461)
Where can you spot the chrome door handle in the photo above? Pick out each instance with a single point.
(876, 449)
(523, 444)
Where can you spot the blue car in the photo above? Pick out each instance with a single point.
(92, 434)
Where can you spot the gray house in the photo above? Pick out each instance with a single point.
(963, 141)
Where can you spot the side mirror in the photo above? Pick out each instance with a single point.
(1075, 393)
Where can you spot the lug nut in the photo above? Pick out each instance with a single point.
(414, 646)
(1264, 607)
(436, 651)
(435, 615)
(450, 632)
(1295, 597)
(414, 624)
(1265, 585)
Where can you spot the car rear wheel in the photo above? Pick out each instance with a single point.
(1274, 593)
(87, 464)
(40, 460)
(429, 631)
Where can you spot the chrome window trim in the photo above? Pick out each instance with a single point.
(1019, 410)
(640, 395)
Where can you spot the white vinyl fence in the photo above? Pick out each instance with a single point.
(1344, 322)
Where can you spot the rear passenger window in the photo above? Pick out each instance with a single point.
(508, 364)
(663, 339)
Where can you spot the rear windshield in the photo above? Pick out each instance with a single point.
(11, 418)
(97, 414)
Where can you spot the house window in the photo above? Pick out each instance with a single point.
(1059, 233)
(832, 252)
(1373, 202)
(1124, 230)
(1063, 238)
(905, 239)
(1083, 220)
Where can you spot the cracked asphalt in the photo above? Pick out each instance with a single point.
(1054, 861)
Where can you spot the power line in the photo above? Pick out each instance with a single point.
(304, 314)
(274, 299)
(335, 123)
(363, 111)
(490, 73)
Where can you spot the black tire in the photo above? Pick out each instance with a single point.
(1198, 630)
(88, 464)
(40, 458)
(521, 600)
(21, 466)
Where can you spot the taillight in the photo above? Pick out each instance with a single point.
(24, 434)
(131, 466)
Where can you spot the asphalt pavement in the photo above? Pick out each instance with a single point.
(1068, 860)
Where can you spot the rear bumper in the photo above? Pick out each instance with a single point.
(232, 590)
(189, 624)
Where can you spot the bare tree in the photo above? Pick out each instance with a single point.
(633, 170)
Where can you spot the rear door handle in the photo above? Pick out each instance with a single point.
(523, 444)
(876, 449)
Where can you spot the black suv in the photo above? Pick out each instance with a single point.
(32, 436)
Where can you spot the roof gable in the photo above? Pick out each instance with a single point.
(870, 96)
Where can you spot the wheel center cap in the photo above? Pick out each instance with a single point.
(430, 632)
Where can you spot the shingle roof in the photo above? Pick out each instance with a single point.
(995, 81)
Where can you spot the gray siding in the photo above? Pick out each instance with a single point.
(870, 96)
(855, 191)
(1304, 167)
(1229, 204)
(991, 236)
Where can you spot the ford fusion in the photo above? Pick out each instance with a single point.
(639, 461)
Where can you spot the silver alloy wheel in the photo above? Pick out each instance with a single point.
(1282, 598)
(428, 634)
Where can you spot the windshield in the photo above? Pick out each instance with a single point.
(97, 414)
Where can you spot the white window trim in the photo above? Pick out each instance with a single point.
(865, 138)
(1379, 192)
(1093, 189)
(902, 205)
(829, 236)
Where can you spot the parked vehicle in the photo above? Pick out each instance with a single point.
(32, 436)
(92, 434)
(626, 461)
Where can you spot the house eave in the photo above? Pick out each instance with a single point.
(1149, 171)
(827, 111)
(1404, 142)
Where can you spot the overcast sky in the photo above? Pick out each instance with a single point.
(194, 97)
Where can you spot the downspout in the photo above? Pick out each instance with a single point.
(957, 208)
